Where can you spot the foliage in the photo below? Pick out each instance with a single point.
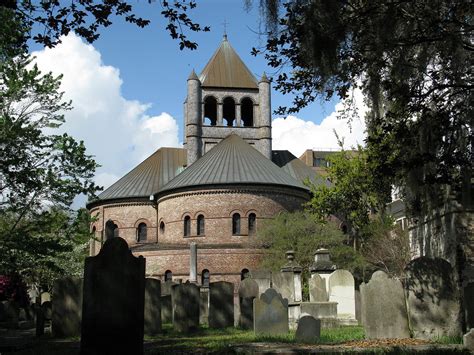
(303, 233)
(53, 18)
(13, 288)
(413, 60)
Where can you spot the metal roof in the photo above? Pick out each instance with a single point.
(232, 161)
(226, 69)
(296, 168)
(147, 177)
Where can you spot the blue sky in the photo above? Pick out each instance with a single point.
(129, 86)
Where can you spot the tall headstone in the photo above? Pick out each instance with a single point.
(383, 308)
(342, 291)
(221, 304)
(270, 313)
(193, 262)
(248, 291)
(204, 305)
(166, 308)
(185, 304)
(309, 330)
(263, 278)
(67, 307)
(317, 289)
(113, 301)
(152, 315)
(433, 299)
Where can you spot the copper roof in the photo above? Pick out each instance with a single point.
(296, 168)
(226, 69)
(232, 161)
(148, 176)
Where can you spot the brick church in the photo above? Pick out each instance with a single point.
(216, 190)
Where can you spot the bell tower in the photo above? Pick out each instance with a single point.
(226, 99)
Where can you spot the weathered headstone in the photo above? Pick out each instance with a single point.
(248, 290)
(309, 330)
(67, 307)
(342, 291)
(263, 278)
(317, 289)
(270, 313)
(185, 304)
(433, 300)
(113, 301)
(166, 309)
(383, 309)
(319, 309)
(47, 308)
(152, 315)
(166, 287)
(204, 305)
(221, 304)
(468, 340)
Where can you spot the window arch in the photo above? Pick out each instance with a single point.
(246, 112)
(205, 277)
(168, 275)
(235, 224)
(187, 226)
(229, 111)
(200, 225)
(111, 230)
(252, 220)
(244, 274)
(162, 227)
(141, 232)
(210, 111)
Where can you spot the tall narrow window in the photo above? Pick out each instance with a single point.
(252, 222)
(236, 224)
(168, 275)
(246, 112)
(111, 230)
(210, 111)
(229, 111)
(187, 226)
(141, 232)
(162, 227)
(205, 277)
(200, 225)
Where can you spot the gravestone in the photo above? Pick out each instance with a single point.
(152, 315)
(185, 304)
(221, 304)
(317, 289)
(248, 290)
(383, 309)
(283, 283)
(309, 330)
(263, 278)
(270, 313)
(433, 300)
(45, 297)
(47, 309)
(166, 309)
(9, 314)
(468, 340)
(342, 291)
(204, 305)
(113, 301)
(166, 287)
(67, 307)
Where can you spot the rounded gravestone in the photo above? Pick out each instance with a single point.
(309, 330)
(342, 290)
(248, 291)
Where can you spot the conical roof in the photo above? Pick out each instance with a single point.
(232, 161)
(147, 177)
(226, 69)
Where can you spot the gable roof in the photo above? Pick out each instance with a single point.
(232, 161)
(148, 176)
(226, 69)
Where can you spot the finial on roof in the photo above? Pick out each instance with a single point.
(225, 30)
(264, 78)
(193, 76)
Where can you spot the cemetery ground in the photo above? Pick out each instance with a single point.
(346, 339)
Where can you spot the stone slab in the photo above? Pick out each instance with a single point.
(67, 307)
(317, 289)
(341, 290)
(166, 309)
(308, 330)
(221, 304)
(204, 306)
(319, 310)
(270, 313)
(185, 303)
(248, 290)
(152, 312)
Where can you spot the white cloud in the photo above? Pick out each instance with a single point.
(117, 131)
(297, 135)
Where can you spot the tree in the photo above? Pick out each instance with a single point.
(48, 20)
(413, 60)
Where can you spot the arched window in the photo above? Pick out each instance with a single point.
(187, 226)
(210, 111)
(229, 111)
(168, 275)
(93, 232)
(236, 224)
(162, 227)
(200, 225)
(205, 277)
(252, 223)
(141, 232)
(244, 274)
(111, 230)
(246, 112)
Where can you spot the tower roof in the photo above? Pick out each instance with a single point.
(232, 161)
(147, 177)
(226, 69)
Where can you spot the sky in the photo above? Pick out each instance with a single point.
(129, 86)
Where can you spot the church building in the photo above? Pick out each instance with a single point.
(215, 191)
